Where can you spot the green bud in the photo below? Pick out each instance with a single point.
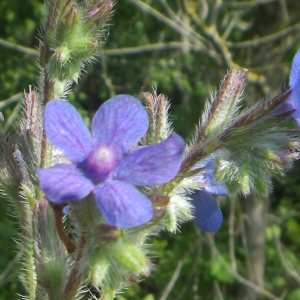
(244, 180)
(83, 49)
(224, 104)
(133, 258)
(64, 10)
(261, 183)
(29, 194)
(99, 270)
(179, 210)
(33, 123)
(62, 68)
(69, 27)
(73, 70)
(62, 55)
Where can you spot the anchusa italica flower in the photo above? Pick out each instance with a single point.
(108, 163)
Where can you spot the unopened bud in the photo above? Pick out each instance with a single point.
(99, 270)
(244, 180)
(69, 25)
(99, 13)
(157, 107)
(224, 103)
(133, 258)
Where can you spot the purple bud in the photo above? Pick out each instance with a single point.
(99, 12)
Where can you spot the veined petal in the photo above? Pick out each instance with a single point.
(63, 182)
(295, 71)
(122, 205)
(208, 215)
(153, 164)
(121, 121)
(66, 130)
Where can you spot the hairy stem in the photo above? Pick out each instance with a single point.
(73, 284)
(28, 246)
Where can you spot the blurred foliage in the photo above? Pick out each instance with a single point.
(190, 264)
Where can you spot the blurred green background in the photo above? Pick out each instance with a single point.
(184, 48)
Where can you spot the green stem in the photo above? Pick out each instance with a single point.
(73, 284)
(48, 93)
(28, 246)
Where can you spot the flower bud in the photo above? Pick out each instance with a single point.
(99, 270)
(224, 104)
(98, 14)
(33, 122)
(179, 210)
(244, 180)
(69, 27)
(157, 107)
(133, 258)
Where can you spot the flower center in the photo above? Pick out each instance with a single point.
(100, 163)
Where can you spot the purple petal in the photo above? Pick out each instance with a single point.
(295, 100)
(66, 130)
(217, 189)
(283, 109)
(153, 164)
(121, 121)
(295, 85)
(295, 71)
(63, 182)
(212, 186)
(122, 205)
(208, 215)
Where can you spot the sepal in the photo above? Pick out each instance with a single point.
(158, 111)
(179, 210)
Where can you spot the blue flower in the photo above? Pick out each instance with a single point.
(208, 215)
(106, 162)
(295, 86)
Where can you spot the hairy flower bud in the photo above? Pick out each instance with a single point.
(133, 258)
(157, 107)
(98, 13)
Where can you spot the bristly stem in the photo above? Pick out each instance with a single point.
(28, 247)
(73, 284)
